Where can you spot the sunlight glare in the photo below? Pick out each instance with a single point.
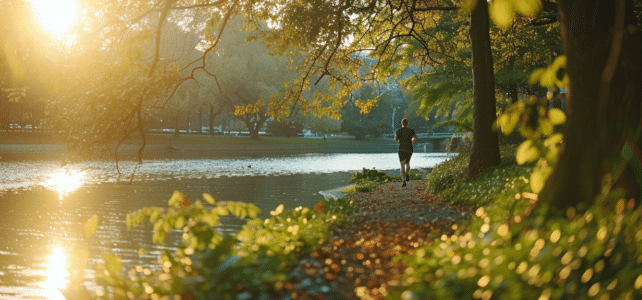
(65, 182)
(55, 15)
(56, 274)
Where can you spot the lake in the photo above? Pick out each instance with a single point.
(43, 206)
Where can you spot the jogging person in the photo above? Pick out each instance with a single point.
(405, 137)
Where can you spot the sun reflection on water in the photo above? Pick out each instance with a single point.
(65, 182)
(56, 274)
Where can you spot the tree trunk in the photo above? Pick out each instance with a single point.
(485, 147)
(211, 119)
(254, 126)
(200, 119)
(604, 100)
(254, 134)
(4, 111)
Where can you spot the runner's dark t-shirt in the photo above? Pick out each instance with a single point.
(405, 135)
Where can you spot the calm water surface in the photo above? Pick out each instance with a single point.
(43, 206)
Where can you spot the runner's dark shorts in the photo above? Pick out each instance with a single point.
(403, 155)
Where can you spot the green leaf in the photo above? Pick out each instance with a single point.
(468, 5)
(559, 63)
(537, 181)
(509, 122)
(536, 75)
(546, 127)
(113, 264)
(91, 225)
(553, 139)
(502, 13)
(526, 153)
(277, 211)
(175, 200)
(209, 198)
(548, 78)
(529, 8)
(556, 116)
(180, 222)
(211, 219)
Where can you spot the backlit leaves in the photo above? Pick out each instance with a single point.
(258, 258)
(209, 199)
(526, 152)
(556, 116)
(113, 264)
(553, 76)
(249, 109)
(581, 254)
(91, 225)
(365, 105)
(503, 12)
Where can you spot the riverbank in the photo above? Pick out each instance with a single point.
(14, 148)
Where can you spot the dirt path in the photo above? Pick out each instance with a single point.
(356, 262)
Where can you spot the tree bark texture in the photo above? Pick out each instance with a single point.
(603, 47)
(485, 146)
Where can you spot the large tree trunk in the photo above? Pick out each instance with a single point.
(211, 119)
(603, 104)
(213, 115)
(4, 111)
(254, 126)
(485, 148)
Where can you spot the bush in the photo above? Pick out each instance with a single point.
(253, 264)
(518, 248)
(449, 179)
(509, 255)
(369, 179)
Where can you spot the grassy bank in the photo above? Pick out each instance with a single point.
(156, 139)
(30, 138)
(517, 248)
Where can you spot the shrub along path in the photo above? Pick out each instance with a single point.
(356, 262)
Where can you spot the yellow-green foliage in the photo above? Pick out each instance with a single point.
(253, 263)
(592, 255)
(448, 179)
(517, 248)
(368, 179)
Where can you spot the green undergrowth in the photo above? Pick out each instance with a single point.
(516, 247)
(594, 254)
(367, 179)
(251, 264)
(449, 179)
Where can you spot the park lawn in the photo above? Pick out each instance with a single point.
(30, 138)
(199, 139)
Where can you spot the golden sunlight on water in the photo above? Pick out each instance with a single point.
(65, 182)
(56, 274)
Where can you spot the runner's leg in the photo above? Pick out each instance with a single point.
(407, 170)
